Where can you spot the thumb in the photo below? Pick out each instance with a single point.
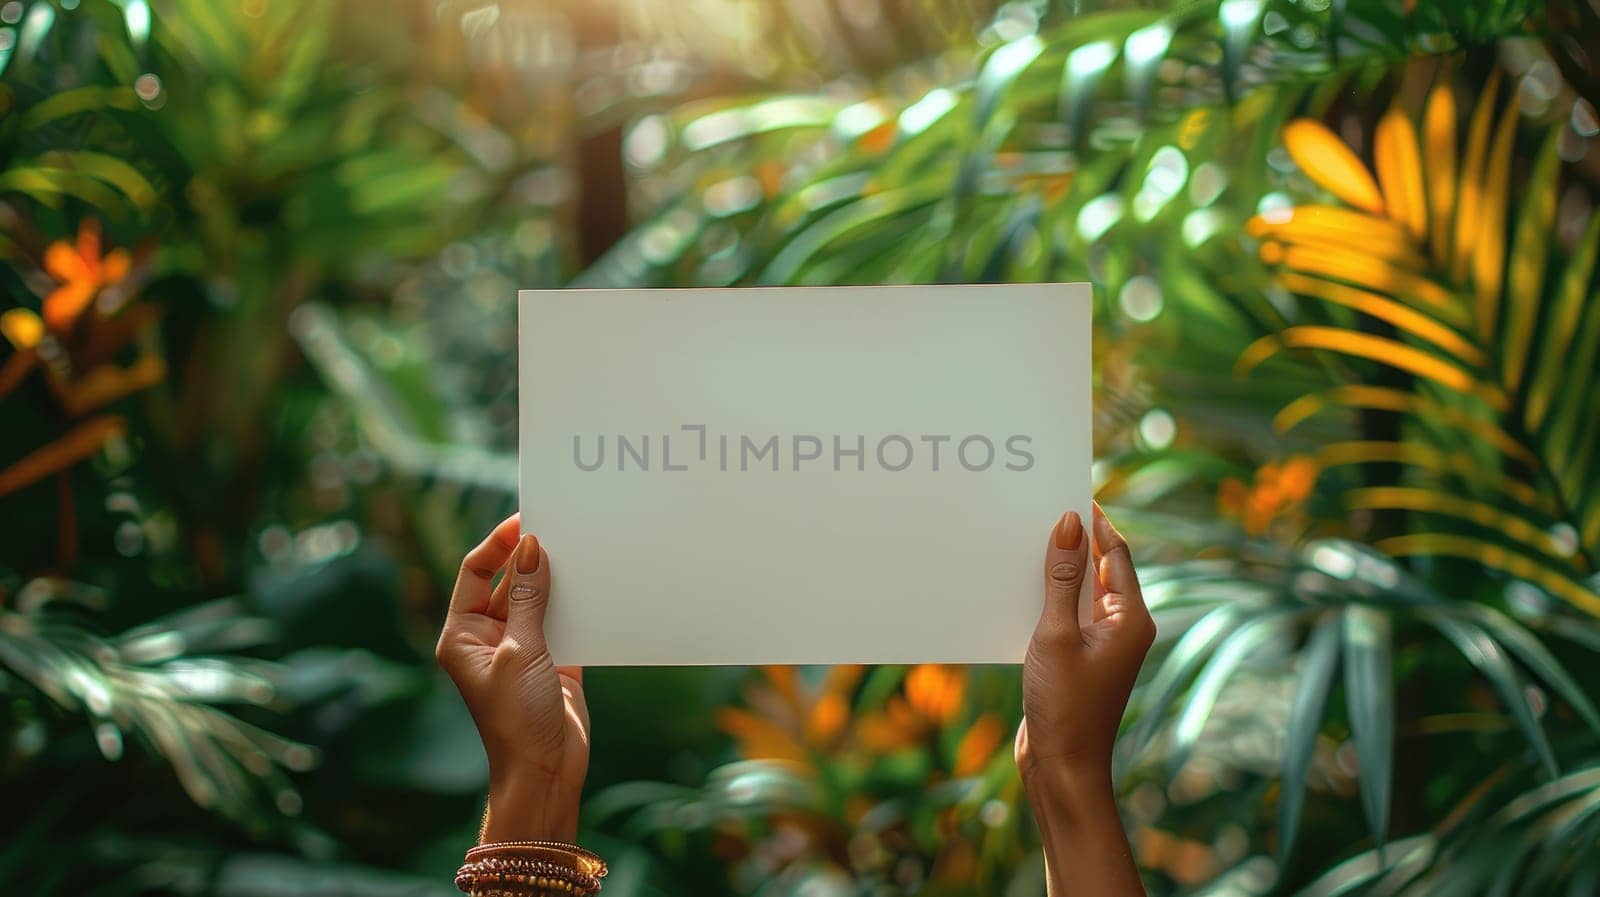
(529, 595)
(1065, 560)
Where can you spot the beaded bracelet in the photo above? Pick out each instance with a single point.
(530, 869)
(524, 877)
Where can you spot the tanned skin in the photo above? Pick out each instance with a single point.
(1075, 686)
(1076, 680)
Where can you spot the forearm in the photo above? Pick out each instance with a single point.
(1086, 851)
(529, 808)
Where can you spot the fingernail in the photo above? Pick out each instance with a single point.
(528, 554)
(1069, 531)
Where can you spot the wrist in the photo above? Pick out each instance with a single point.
(1069, 788)
(530, 807)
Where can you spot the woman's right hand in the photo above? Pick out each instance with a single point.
(1077, 678)
(1075, 686)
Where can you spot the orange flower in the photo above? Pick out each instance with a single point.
(1297, 477)
(1277, 492)
(790, 718)
(978, 745)
(83, 272)
(759, 738)
(934, 691)
(827, 718)
(896, 726)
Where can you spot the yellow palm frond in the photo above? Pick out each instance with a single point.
(1384, 309)
(1564, 319)
(1438, 463)
(1496, 557)
(1489, 249)
(1373, 348)
(1525, 278)
(1327, 161)
(1466, 308)
(1334, 227)
(1383, 398)
(1372, 273)
(1409, 498)
(1439, 141)
(1469, 191)
(1400, 172)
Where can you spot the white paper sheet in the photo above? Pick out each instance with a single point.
(728, 518)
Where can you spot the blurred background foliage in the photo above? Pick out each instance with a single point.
(257, 396)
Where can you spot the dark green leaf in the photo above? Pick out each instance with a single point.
(1179, 665)
(1484, 653)
(1320, 659)
(1233, 652)
(1369, 696)
(1532, 652)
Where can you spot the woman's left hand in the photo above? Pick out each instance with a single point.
(530, 714)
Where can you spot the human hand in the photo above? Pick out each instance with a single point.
(530, 713)
(1077, 678)
(1075, 686)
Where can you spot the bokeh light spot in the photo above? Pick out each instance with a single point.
(1098, 215)
(647, 142)
(1158, 429)
(1141, 298)
(147, 86)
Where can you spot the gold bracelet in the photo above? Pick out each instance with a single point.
(529, 868)
(524, 878)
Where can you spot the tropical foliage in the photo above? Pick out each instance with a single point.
(259, 260)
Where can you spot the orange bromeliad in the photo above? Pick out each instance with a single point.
(83, 273)
(83, 324)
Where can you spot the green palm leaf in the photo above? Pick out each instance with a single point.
(1369, 692)
(1484, 402)
(1484, 653)
(1179, 666)
(1319, 662)
(1232, 653)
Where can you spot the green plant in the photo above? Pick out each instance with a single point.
(1413, 338)
(1344, 255)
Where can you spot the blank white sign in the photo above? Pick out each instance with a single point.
(801, 475)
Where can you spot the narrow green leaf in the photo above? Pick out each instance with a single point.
(1001, 69)
(1484, 653)
(1208, 687)
(1352, 875)
(1571, 835)
(79, 99)
(1533, 654)
(1548, 794)
(1176, 669)
(1336, 19)
(1562, 326)
(1241, 20)
(1531, 245)
(1369, 694)
(34, 29)
(48, 184)
(114, 171)
(1320, 659)
(1086, 65)
(879, 685)
(845, 221)
(1142, 52)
